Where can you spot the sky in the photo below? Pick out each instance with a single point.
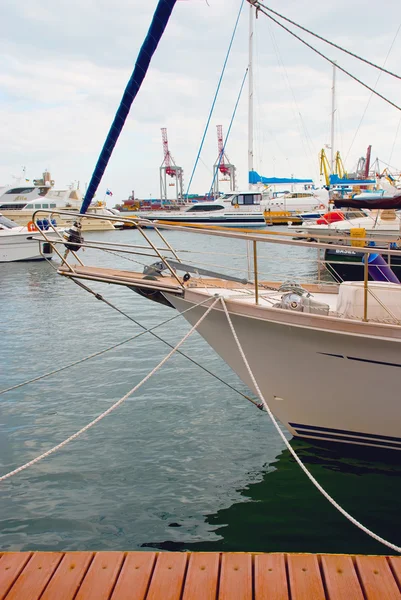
(64, 66)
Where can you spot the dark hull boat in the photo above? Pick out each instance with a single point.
(347, 265)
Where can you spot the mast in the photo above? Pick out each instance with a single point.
(250, 92)
(333, 110)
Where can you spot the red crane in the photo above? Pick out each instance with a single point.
(168, 159)
(223, 168)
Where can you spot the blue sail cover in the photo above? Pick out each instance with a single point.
(336, 180)
(254, 177)
(156, 30)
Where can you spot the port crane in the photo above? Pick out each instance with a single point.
(168, 168)
(222, 166)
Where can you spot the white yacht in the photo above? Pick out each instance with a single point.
(18, 244)
(241, 209)
(19, 202)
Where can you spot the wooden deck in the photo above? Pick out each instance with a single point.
(197, 576)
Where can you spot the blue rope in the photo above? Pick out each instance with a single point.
(160, 19)
(228, 132)
(215, 98)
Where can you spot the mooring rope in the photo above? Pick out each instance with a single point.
(292, 451)
(111, 408)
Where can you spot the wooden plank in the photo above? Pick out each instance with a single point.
(36, 575)
(134, 578)
(101, 576)
(68, 577)
(236, 577)
(341, 579)
(202, 576)
(395, 564)
(305, 579)
(11, 565)
(168, 576)
(377, 579)
(270, 577)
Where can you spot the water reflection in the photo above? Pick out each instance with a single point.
(284, 512)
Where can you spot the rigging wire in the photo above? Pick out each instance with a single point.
(259, 5)
(94, 355)
(328, 59)
(111, 305)
(395, 139)
(301, 129)
(215, 97)
(150, 330)
(126, 341)
(228, 132)
(371, 95)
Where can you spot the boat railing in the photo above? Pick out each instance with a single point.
(254, 269)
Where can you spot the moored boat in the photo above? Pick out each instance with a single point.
(18, 243)
(19, 202)
(349, 332)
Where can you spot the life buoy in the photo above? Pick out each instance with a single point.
(236, 205)
(31, 226)
(321, 206)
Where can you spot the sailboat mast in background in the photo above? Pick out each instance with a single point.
(250, 96)
(333, 110)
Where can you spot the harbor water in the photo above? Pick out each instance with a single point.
(185, 463)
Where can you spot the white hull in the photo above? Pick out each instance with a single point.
(228, 219)
(22, 217)
(321, 384)
(389, 229)
(19, 246)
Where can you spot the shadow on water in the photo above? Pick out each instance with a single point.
(284, 512)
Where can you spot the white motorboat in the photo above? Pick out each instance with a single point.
(17, 243)
(242, 208)
(376, 224)
(237, 209)
(350, 333)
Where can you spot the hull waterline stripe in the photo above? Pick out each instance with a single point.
(345, 432)
(367, 360)
(375, 362)
(332, 437)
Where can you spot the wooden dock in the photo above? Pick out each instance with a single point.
(197, 576)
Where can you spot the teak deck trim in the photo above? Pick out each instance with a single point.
(197, 576)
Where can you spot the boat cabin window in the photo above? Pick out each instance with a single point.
(12, 206)
(21, 190)
(45, 206)
(246, 199)
(7, 223)
(53, 205)
(204, 207)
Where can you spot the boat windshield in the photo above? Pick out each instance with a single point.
(246, 199)
(7, 223)
(204, 207)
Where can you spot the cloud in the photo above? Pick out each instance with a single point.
(64, 66)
